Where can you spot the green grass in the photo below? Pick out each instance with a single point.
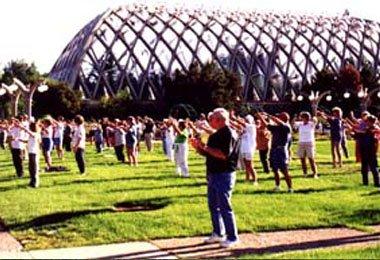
(70, 210)
(371, 252)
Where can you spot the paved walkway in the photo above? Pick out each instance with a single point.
(267, 242)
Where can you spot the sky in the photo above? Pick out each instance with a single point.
(38, 30)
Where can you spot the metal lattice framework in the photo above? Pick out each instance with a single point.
(131, 48)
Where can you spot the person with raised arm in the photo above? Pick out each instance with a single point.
(306, 144)
(47, 141)
(33, 141)
(263, 139)
(368, 148)
(17, 145)
(181, 147)
(336, 133)
(58, 128)
(79, 143)
(131, 141)
(221, 152)
(248, 145)
(279, 156)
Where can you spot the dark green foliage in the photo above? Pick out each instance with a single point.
(21, 70)
(60, 99)
(121, 107)
(204, 88)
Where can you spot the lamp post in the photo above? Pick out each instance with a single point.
(28, 91)
(365, 97)
(315, 97)
(15, 94)
(17, 88)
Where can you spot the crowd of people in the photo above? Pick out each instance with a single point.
(228, 142)
(270, 135)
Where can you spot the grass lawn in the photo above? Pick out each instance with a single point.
(71, 210)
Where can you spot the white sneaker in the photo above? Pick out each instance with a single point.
(228, 243)
(277, 189)
(214, 239)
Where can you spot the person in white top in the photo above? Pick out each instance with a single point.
(34, 151)
(18, 139)
(248, 146)
(58, 127)
(169, 140)
(79, 143)
(47, 141)
(3, 134)
(306, 144)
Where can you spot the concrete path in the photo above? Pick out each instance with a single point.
(7, 242)
(193, 247)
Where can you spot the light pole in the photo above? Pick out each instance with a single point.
(28, 91)
(365, 97)
(17, 88)
(14, 92)
(315, 97)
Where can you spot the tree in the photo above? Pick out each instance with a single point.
(59, 99)
(28, 74)
(203, 87)
(21, 70)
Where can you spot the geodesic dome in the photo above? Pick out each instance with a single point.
(132, 48)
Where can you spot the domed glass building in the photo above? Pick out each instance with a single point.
(133, 47)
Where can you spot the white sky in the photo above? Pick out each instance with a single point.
(38, 30)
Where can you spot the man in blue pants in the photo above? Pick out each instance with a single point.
(221, 154)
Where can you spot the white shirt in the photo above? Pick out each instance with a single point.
(306, 131)
(169, 134)
(34, 143)
(18, 136)
(58, 130)
(79, 137)
(48, 132)
(248, 139)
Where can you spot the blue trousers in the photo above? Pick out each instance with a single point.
(219, 192)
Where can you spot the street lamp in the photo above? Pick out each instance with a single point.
(28, 91)
(346, 95)
(365, 97)
(315, 97)
(13, 91)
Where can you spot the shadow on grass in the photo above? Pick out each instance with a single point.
(60, 217)
(126, 178)
(296, 191)
(111, 163)
(363, 216)
(179, 185)
(373, 193)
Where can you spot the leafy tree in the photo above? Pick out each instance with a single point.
(21, 70)
(28, 74)
(323, 80)
(204, 88)
(59, 99)
(348, 79)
